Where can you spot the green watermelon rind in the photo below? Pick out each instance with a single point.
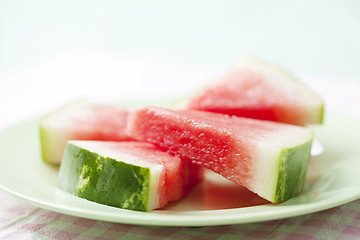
(44, 141)
(104, 180)
(292, 171)
(321, 113)
(44, 149)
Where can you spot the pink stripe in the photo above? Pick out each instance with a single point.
(51, 215)
(30, 227)
(121, 227)
(352, 230)
(85, 222)
(299, 236)
(221, 230)
(64, 235)
(318, 223)
(258, 234)
(274, 222)
(160, 232)
(329, 211)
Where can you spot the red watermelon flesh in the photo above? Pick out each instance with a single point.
(258, 90)
(95, 122)
(81, 121)
(268, 158)
(180, 175)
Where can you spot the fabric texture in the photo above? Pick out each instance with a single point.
(19, 220)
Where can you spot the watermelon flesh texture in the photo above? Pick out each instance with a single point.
(81, 120)
(259, 90)
(268, 158)
(129, 175)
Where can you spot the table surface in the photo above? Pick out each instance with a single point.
(19, 220)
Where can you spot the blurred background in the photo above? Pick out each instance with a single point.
(54, 51)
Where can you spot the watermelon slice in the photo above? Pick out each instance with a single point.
(268, 158)
(259, 90)
(129, 175)
(81, 120)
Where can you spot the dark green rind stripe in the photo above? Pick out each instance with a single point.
(292, 171)
(104, 180)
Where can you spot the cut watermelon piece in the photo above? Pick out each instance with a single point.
(268, 158)
(129, 175)
(259, 90)
(81, 121)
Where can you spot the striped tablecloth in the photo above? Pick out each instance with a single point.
(20, 220)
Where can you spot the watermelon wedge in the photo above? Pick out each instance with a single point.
(259, 90)
(81, 120)
(268, 158)
(129, 175)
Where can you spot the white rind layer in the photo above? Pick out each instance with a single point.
(54, 134)
(267, 158)
(53, 140)
(265, 171)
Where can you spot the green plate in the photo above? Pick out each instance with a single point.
(333, 179)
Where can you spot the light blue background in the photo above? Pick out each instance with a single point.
(317, 36)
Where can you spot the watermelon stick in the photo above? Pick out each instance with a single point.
(80, 120)
(130, 175)
(267, 157)
(260, 90)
